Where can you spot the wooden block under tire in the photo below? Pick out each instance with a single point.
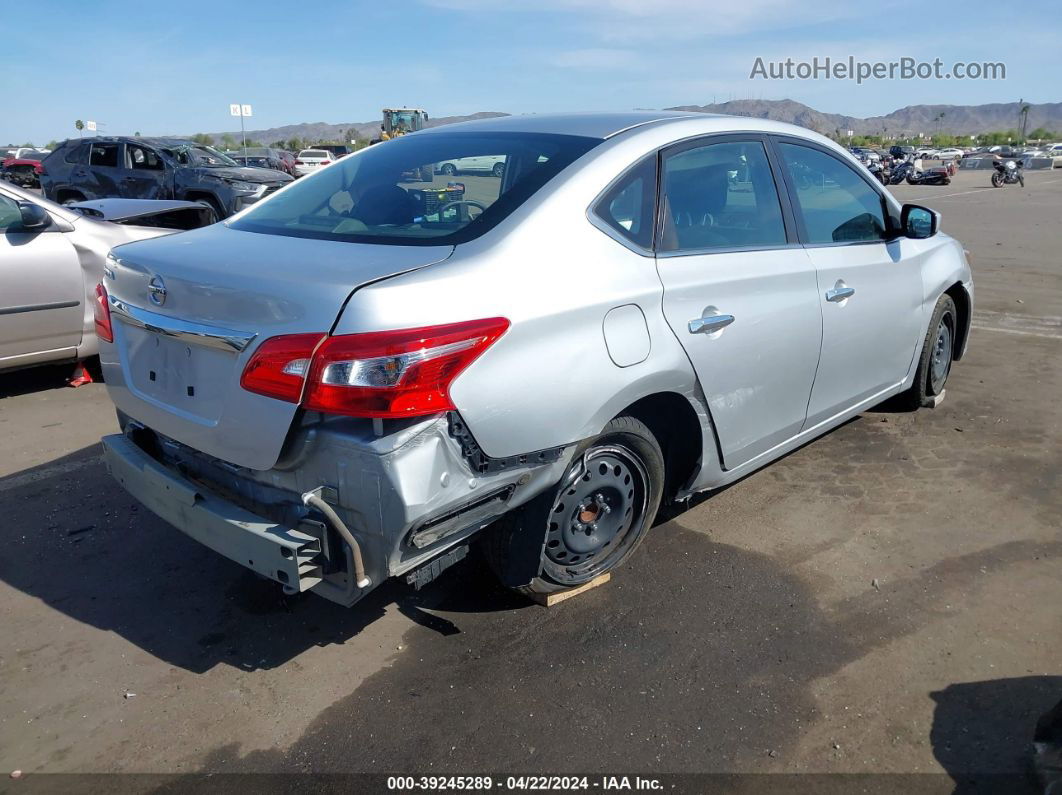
(550, 599)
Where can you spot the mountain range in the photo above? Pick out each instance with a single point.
(912, 120)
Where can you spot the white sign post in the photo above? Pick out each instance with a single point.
(236, 109)
(90, 126)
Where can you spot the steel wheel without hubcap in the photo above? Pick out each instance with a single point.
(603, 504)
(590, 522)
(940, 361)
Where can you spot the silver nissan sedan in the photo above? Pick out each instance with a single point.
(358, 376)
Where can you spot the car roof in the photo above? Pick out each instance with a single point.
(608, 125)
(589, 125)
(117, 139)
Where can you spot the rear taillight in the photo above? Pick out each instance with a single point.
(298, 162)
(101, 314)
(39, 168)
(279, 366)
(388, 374)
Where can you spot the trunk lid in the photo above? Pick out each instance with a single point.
(189, 310)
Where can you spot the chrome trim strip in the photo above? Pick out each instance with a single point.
(17, 310)
(184, 330)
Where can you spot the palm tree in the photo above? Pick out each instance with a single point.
(79, 125)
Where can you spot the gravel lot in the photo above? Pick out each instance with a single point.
(884, 600)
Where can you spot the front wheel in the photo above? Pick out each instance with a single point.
(498, 170)
(448, 169)
(912, 180)
(997, 180)
(592, 521)
(938, 351)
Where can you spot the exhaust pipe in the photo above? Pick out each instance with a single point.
(313, 499)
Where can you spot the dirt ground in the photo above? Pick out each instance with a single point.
(884, 600)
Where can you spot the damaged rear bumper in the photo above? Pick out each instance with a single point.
(406, 498)
(280, 553)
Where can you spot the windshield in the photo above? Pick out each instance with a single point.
(441, 188)
(205, 156)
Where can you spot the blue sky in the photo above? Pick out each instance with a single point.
(175, 67)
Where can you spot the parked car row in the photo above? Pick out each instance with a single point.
(51, 260)
(265, 157)
(154, 168)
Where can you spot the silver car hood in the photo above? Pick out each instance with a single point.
(242, 285)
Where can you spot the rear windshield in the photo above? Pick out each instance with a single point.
(314, 153)
(435, 189)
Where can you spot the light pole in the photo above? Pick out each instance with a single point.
(242, 111)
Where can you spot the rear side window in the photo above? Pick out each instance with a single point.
(629, 206)
(720, 195)
(836, 204)
(104, 155)
(76, 154)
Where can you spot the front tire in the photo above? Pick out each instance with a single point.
(997, 180)
(448, 169)
(592, 521)
(938, 352)
(498, 170)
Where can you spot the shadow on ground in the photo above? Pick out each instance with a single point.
(983, 731)
(36, 379)
(73, 539)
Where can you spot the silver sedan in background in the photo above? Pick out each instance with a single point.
(357, 376)
(51, 259)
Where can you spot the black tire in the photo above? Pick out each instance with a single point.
(938, 352)
(71, 197)
(498, 170)
(997, 180)
(448, 169)
(213, 204)
(592, 521)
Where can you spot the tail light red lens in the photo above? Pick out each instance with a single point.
(278, 368)
(387, 374)
(101, 314)
(298, 162)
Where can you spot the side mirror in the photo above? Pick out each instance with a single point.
(918, 222)
(34, 217)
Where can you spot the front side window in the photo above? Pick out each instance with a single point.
(399, 192)
(720, 195)
(835, 203)
(10, 215)
(629, 206)
(140, 157)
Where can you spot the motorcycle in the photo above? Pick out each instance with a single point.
(914, 176)
(878, 172)
(1007, 172)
